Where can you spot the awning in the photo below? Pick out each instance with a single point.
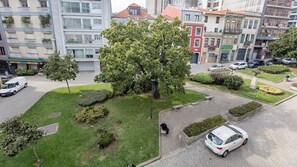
(25, 60)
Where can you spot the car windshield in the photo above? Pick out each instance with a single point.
(8, 86)
(251, 62)
(214, 65)
(236, 63)
(215, 139)
(236, 131)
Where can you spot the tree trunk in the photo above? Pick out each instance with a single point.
(155, 90)
(68, 86)
(38, 160)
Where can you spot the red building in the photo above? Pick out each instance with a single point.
(192, 19)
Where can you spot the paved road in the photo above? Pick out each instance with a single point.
(272, 143)
(37, 87)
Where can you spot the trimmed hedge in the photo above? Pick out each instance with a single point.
(21, 72)
(105, 140)
(233, 81)
(91, 114)
(245, 108)
(203, 78)
(271, 90)
(200, 127)
(274, 69)
(219, 76)
(94, 97)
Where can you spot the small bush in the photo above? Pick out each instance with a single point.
(105, 140)
(94, 97)
(233, 81)
(294, 84)
(274, 69)
(203, 78)
(101, 130)
(200, 127)
(26, 71)
(219, 76)
(243, 109)
(270, 90)
(256, 71)
(91, 114)
(222, 70)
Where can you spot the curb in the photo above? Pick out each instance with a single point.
(288, 98)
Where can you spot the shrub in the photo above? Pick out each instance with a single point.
(91, 114)
(218, 76)
(94, 97)
(274, 69)
(20, 71)
(270, 90)
(233, 81)
(256, 71)
(203, 78)
(26, 71)
(105, 140)
(245, 108)
(294, 84)
(200, 127)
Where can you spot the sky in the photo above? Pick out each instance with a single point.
(119, 5)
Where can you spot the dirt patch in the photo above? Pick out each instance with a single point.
(54, 115)
(109, 148)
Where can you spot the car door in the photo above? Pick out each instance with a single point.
(242, 65)
(17, 86)
(236, 141)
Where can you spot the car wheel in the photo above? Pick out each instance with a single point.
(14, 92)
(225, 154)
(245, 141)
(237, 68)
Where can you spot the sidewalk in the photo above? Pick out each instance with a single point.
(178, 120)
(282, 85)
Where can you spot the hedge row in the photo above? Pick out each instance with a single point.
(200, 127)
(245, 108)
(274, 69)
(26, 71)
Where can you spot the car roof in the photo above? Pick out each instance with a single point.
(223, 132)
(14, 80)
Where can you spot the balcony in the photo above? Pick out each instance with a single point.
(12, 40)
(41, 9)
(246, 43)
(24, 9)
(211, 47)
(5, 9)
(232, 31)
(32, 55)
(30, 40)
(15, 54)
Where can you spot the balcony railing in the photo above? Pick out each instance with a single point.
(29, 40)
(5, 9)
(32, 55)
(247, 43)
(211, 47)
(15, 54)
(232, 31)
(41, 9)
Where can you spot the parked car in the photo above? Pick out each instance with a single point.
(274, 61)
(255, 63)
(5, 78)
(238, 65)
(12, 86)
(215, 67)
(289, 61)
(225, 138)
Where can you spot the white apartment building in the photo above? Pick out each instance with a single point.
(78, 25)
(293, 16)
(248, 5)
(27, 32)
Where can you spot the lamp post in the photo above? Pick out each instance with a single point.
(153, 81)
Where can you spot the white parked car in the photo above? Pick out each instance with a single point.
(12, 86)
(226, 138)
(238, 65)
(289, 61)
(215, 67)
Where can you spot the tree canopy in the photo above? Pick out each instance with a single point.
(140, 56)
(60, 69)
(286, 45)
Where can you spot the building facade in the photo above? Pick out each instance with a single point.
(133, 12)
(192, 19)
(28, 33)
(293, 16)
(78, 25)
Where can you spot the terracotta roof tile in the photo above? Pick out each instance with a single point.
(125, 14)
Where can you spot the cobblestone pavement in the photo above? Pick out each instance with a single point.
(272, 143)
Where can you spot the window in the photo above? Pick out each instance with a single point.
(97, 21)
(212, 41)
(229, 140)
(189, 29)
(71, 7)
(196, 17)
(76, 53)
(256, 24)
(2, 51)
(218, 43)
(72, 23)
(197, 43)
(247, 38)
(87, 23)
(242, 38)
(235, 40)
(97, 51)
(216, 30)
(85, 7)
(0, 37)
(218, 20)
(97, 37)
(205, 42)
(252, 38)
(96, 6)
(73, 38)
(198, 31)
(208, 5)
(206, 19)
(24, 3)
(43, 3)
(89, 53)
(5, 3)
(133, 12)
(187, 17)
(88, 39)
(245, 23)
(251, 24)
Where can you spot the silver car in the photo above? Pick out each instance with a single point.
(215, 67)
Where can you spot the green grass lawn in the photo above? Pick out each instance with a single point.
(247, 92)
(270, 77)
(75, 144)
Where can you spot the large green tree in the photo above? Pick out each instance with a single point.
(60, 69)
(140, 56)
(286, 45)
(17, 135)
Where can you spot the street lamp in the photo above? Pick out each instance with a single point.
(153, 81)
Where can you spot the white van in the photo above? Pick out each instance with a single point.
(12, 86)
